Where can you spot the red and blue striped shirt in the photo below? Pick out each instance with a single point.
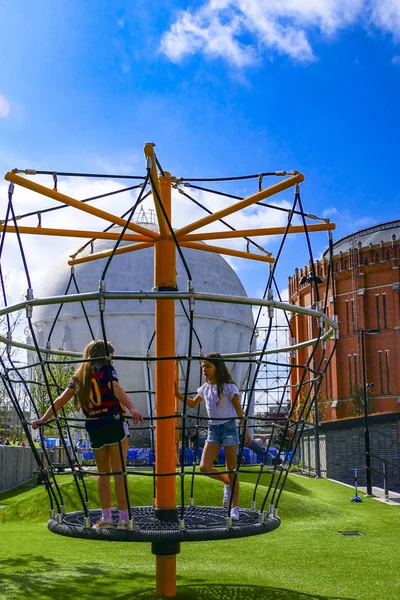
(102, 402)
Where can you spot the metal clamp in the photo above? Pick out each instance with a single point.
(102, 301)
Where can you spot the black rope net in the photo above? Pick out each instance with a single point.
(36, 383)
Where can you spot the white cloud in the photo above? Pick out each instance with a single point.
(41, 252)
(349, 221)
(4, 106)
(198, 32)
(362, 223)
(329, 211)
(123, 165)
(385, 14)
(253, 217)
(396, 60)
(241, 31)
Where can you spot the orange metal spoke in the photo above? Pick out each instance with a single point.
(97, 235)
(221, 235)
(273, 189)
(97, 212)
(106, 253)
(162, 225)
(228, 251)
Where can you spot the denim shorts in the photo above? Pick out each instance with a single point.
(225, 434)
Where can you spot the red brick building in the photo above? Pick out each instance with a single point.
(366, 269)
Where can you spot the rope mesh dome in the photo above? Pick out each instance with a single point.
(189, 523)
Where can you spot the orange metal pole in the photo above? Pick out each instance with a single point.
(220, 250)
(273, 189)
(166, 576)
(98, 255)
(221, 235)
(164, 278)
(97, 212)
(77, 233)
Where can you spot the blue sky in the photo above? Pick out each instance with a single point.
(223, 87)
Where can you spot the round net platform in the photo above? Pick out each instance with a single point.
(201, 523)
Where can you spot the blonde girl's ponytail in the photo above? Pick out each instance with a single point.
(96, 349)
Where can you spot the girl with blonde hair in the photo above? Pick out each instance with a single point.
(97, 392)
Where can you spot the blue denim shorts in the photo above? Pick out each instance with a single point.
(225, 434)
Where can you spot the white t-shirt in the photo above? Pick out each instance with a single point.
(225, 410)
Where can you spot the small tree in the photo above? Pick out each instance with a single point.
(323, 404)
(5, 416)
(357, 399)
(10, 424)
(8, 327)
(299, 411)
(283, 440)
(58, 375)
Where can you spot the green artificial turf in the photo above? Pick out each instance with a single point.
(305, 559)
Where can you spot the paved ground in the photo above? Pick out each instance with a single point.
(377, 494)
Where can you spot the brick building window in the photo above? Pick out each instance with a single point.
(350, 375)
(378, 313)
(387, 254)
(355, 369)
(347, 317)
(381, 371)
(376, 257)
(387, 371)
(365, 259)
(326, 379)
(384, 311)
(353, 322)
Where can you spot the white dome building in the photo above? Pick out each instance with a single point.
(130, 325)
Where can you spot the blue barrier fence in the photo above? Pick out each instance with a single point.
(145, 456)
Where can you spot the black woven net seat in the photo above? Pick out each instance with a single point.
(200, 523)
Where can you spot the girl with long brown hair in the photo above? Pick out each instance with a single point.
(222, 400)
(97, 392)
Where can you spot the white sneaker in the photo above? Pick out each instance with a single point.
(227, 495)
(103, 525)
(125, 525)
(235, 513)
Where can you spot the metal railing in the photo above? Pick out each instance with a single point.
(384, 472)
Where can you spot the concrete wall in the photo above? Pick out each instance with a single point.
(16, 466)
(343, 448)
(346, 450)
